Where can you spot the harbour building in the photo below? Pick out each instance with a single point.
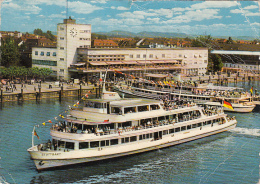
(74, 58)
(239, 61)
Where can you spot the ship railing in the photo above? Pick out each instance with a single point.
(120, 130)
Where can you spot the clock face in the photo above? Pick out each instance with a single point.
(73, 32)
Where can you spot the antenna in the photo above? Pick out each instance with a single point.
(67, 9)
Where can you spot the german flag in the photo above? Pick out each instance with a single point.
(36, 134)
(228, 105)
(251, 90)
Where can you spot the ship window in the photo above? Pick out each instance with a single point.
(123, 140)
(147, 136)
(183, 128)
(140, 137)
(113, 141)
(107, 142)
(61, 144)
(130, 110)
(151, 135)
(171, 131)
(188, 127)
(161, 118)
(143, 108)
(177, 129)
(94, 144)
(165, 132)
(133, 138)
(116, 110)
(83, 145)
(194, 125)
(69, 145)
(127, 139)
(199, 124)
(98, 105)
(103, 143)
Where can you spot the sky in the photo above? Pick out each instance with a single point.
(216, 18)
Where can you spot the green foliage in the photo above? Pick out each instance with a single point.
(22, 72)
(202, 41)
(10, 53)
(48, 34)
(99, 36)
(215, 62)
(230, 41)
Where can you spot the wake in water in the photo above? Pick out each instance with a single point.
(246, 131)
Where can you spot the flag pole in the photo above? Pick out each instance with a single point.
(33, 136)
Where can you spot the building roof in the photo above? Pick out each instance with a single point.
(186, 48)
(104, 43)
(236, 52)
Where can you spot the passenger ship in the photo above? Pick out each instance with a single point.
(240, 103)
(111, 127)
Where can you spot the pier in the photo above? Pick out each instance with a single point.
(40, 91)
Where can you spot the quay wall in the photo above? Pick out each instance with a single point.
(43, 95)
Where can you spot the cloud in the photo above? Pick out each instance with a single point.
(57, 16)
(255, 24)
(246, 12)
(163, 12)
(136, 15)
(214, 4)
(119, 8)
(197, 15)
(154, 20)
(82, 8)
(99, 1)
(251, 7)
(47, 2)
(27, 8)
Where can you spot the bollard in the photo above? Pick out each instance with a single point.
(40, 93)
(1, 95)
(61, 93)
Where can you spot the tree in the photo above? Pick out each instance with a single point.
(45, 72)
(10, 53)
(216, 62)
(38, 31)
(202, 41)
(230, 41)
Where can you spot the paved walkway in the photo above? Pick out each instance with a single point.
(45, 87)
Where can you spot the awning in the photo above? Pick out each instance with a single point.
(157, 62)
(129, 62)
(172, 61)
(114, 63)
(97, 63)
(144, 62)
(156, 75)
(78, 64)
(86, 122)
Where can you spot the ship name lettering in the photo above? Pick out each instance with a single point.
(50, 154)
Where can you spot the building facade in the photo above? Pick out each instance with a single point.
(239, 61)
(70, 36)
(138, 61)
(74, 57)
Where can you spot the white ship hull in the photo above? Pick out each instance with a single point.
(52, 159)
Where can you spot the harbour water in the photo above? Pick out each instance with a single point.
(229, 157)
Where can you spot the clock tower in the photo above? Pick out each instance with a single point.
(70, 36)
